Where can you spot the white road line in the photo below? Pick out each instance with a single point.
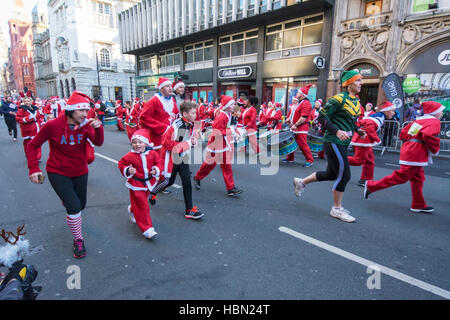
(106, 158)
(447, 173)
(392, 165)
(176, 186)
(390, 272)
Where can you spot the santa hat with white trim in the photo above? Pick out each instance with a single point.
(226, 102)
(387, 106)
(432, 107)
(163, 82)
(142, 135)
(305, 90)
(177, 84)
(78, 101)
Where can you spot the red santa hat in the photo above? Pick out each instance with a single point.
(177, 84)
(226, 102)
(136, 99)
(142, 135)
(119, 101)
(386, 106)
(211, 104)
(240, 102)
(163, 82)
(305, 90)
(320, 101)
(278, 105)
(78, 101)
(432, 107)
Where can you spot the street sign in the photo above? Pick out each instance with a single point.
(320, 62)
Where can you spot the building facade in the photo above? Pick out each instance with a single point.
(3, 63)
(408, 37)
(84, 45)
(234, 47)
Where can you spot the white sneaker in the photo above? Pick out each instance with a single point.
(342, 214)
(299, 186)
(132, 218)
(150, 233)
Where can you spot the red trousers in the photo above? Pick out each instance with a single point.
(416, 177)
(25, 144)
(210, 163)
(253, 142)
(120, 125)
(141, 209)
(363, 157)
(131, 131)
(301, 139)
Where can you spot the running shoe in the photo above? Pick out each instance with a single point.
(308, 164)
(366, 191)
(79, 251)
(342, 214)
(287, 161)
(424, 210)
(299, 186)
(193, 214)
(132, 218)
(196, 184)
(150, 233)
(152, 199)
(234, 191)
(362, 183)
(165, 191)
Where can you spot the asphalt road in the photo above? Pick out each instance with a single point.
(264, 244)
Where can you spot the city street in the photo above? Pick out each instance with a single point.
(264, 244)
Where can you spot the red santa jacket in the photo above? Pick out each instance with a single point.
(371, 125)
(302, 109)
(249, 120)
(157, 115)
(176, 144)
(54, 109)
(219, 141)
(201, 112)
(420, 141)
(31, 120)
(92, 114)
(120, 111)
(144, 163)
(273, 118)
(132, 115)
(67, 147)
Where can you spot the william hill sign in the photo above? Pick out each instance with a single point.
(235, 72)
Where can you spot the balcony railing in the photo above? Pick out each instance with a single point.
(366, 23)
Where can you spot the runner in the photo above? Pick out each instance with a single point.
(9, 110)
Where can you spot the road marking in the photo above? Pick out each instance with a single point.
(350, 256)
(447, 173)
(106, 158)
(392, 165)
(176, 186)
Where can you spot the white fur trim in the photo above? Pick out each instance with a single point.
(415, 164)
(225, 107)
(442, 108)
(141, 138)
(125, 173)
(78, 106)
(158, 172)
(165, 83)
(367, 145)
(129, 186)
(10, 253)
(179, 84)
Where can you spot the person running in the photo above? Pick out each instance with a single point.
(131, 119)
(30, 120)
(249, 120)
(9, 109)
(120, 111)
(67, 167)
(177, 143)
(420, 142)
(142, 167)
(338, 117)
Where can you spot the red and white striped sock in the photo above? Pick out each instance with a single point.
(74, 222)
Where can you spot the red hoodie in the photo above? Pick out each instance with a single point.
(67, 147)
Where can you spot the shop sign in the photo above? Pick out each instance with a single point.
(367, 70)
(444, 58)
(235, 72)
(411, 85)
(320, 62)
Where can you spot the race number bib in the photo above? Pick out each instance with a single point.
(414, 129)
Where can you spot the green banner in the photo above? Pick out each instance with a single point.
(411, 85)
(152, 81)
(421, 5)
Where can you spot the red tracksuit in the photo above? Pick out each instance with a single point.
(144, 163)
(219, 150)
(421, 142)
(302, 109)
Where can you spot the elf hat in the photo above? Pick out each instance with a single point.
(387, 106)
(432, 107)
(163, 82)
(348, 77)
(142, 135)
(78, 101)
(305, 90)
(178, 84)
(227, 102)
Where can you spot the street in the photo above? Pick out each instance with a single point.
(264, 244)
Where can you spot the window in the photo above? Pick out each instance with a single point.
(199, 52)
(238, 44)
(101, 13)
(105, 60)
(169, 58)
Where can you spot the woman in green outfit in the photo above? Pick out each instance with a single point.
(338, 117)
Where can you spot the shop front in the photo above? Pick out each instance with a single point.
(237, 81)
(199, 84)
(146, 86)
(371, 91)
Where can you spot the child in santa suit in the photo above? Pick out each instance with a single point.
(420, 143)
(120, 111)
(141, 166)
(249, 121)
(299, 119)
(220, 149)
(159, 113)
(363, 145)
(30, 119)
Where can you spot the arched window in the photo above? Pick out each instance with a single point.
(67, 89)
(105, 59)
(61, 85)
(74, 87)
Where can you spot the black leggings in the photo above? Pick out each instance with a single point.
(12, 125)
(185, 175)
(71, 191)
(338, 168)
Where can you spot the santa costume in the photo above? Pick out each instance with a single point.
(420, 143)
(31, 120)
(120, 111)
(249, 123)
(158, 114)
(219, 148)
(53, 107)
(363, 145)
(142, 182)
(132, 119)
(302, 110)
